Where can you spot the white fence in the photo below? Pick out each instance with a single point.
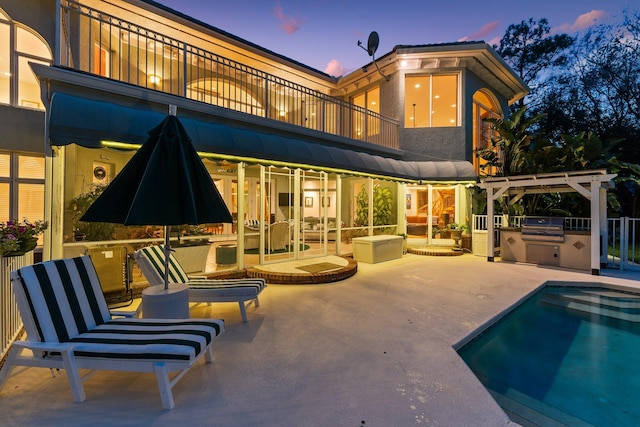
(623, 236)
(10, 321)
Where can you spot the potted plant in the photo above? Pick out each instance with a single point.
(456, 232)
(18, 238)
(94, 231)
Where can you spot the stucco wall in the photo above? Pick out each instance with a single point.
(22, 129)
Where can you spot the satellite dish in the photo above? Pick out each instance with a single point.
(372, 46)
(372, 43)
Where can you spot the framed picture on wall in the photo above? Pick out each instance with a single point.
(326, 201)
(308, 202)
(408, 201)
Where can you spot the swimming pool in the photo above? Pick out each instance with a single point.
(567, 354)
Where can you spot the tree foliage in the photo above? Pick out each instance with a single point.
(530, 51)
(586, 100)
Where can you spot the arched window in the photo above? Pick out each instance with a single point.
(14, 64)
(484, 106)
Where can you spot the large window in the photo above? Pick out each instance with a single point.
(21, 187)
(484, 107)
(14, 64)
(364, 124)
(431, 101)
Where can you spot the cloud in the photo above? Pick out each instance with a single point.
(484, 31)
(582, 22)
(288, 23)
(335, 68)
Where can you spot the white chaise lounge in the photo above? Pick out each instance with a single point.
(69, 327)
(150, 259)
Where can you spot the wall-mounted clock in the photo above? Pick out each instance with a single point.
(100, 172)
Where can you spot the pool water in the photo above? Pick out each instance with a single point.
(566, 354)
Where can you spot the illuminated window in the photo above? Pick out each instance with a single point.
(364, 124)
(431, 101)
(484, 107)
(5, 64)
(21, 187)
(29, 47)
(101, 61)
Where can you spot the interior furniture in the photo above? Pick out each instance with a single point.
(251, 234)
(70, 327)
(278, 236)
(416, 225)
(150, 259)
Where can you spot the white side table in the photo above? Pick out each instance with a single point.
(172, 303)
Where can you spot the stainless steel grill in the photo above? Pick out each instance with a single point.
(543, 229)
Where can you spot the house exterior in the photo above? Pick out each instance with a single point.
(81, 82)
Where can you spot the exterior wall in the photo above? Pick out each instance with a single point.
(22, 129)
(425, 144)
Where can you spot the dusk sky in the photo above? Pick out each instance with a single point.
(323, 34)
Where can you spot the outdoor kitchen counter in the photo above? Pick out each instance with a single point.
(573, 252)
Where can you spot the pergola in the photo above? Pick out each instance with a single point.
(592, 184)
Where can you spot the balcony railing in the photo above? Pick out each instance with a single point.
(102, 44)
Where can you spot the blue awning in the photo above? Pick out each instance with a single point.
(88, 122)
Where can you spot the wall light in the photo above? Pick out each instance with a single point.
(154, 79)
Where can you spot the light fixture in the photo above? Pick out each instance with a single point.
(154, 79)
(417, 86)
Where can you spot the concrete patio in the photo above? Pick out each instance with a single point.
(372, 350)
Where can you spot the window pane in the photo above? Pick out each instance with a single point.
(4, 202)
(5, 165)
(30, 202)
(445, 101)
(30, 167)
(28, 87)
(27, 42)
(5, 70)
(416, 102)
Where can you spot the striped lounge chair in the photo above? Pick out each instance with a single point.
(69, 327)
(150, 259)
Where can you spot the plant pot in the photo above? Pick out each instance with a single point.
(28, 244)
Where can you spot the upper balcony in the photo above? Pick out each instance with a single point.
(102, 44)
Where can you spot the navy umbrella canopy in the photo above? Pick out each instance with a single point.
(165, 183)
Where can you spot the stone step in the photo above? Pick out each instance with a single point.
(601, 302)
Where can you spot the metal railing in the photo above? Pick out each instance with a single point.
(108, 46)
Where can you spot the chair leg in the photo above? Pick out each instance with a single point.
(243, 311)
(208, 354)
(9, 364)
(256, 302)
(164, 385)
(71, 369)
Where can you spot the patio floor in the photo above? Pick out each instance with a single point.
(372, 350)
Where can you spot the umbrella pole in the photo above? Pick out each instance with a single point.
(167, 254)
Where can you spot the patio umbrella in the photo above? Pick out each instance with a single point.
(165, 183)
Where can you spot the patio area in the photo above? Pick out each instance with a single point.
(372, 350)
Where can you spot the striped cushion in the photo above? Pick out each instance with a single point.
(155, 256)
(148, 339)
(231, 287)
(64, 298)
(228, 287)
